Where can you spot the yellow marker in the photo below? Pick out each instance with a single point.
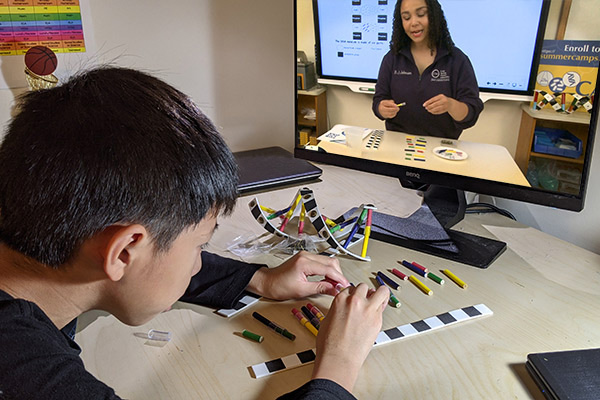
(420, 285)
(401, 104)
(304, 321)
(455, 278)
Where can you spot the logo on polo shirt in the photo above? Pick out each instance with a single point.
(438, 75)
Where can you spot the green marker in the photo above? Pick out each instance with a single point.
(282, 331)
(252, 336)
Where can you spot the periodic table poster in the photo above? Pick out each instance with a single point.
(56, 24)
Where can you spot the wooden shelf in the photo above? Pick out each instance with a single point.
(314, 99)
(577, 123)
(547, 114)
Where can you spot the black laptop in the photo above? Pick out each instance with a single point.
(272, 167)
(573, 374)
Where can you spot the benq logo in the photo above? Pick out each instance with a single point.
(413, 175)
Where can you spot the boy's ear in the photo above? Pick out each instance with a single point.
(125, 244)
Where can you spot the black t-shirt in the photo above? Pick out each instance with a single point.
(39, 361)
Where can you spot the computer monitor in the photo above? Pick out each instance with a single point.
(352, 38)
(548, 166)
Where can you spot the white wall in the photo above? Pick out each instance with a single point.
(235, 58)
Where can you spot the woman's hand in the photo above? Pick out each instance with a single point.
(441, 104)
(388, 109)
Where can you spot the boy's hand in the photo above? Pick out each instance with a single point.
(290, 279)
(348, 332)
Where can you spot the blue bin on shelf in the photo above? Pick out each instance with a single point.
(557, 141)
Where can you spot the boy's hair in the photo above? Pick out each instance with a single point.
(439, 35)
(110, 146)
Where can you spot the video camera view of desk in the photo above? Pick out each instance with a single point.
(471, 159)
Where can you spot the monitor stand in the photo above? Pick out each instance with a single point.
(428, 230)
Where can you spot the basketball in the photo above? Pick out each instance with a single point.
(41, 60)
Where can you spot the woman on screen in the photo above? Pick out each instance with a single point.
(426, 85)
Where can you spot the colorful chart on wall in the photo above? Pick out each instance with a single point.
(61, 25)
(55, 24)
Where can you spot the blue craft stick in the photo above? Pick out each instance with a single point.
(393, 298)
(348, 222)
(413, 268)
(388, 280)
(278, 213)
(355, 228)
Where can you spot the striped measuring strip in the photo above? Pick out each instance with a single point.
(386, 336)
(242, 304)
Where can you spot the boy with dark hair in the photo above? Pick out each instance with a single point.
(110, 186)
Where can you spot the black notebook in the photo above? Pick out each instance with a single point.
(573, 374)
(272, 167)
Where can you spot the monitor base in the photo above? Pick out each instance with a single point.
(447, 207)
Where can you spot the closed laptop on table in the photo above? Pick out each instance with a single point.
(272, 167)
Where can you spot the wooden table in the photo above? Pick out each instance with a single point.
(544, 293)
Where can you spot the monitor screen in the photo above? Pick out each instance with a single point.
(552, 137)
(353, 36)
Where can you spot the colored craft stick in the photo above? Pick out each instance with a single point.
(311, 317)
(355, 228)
(304, 322)
(289, 214)
(393, 299)
(455, 278)
(335, 228)
(302, 218)
(329, 222)
(395, 302)
(341, 226)
(399, 274)
(388, 280)
(435, 278)
(278, 213)
(419, 266)
(316, 311)
(338, 286)
(267, 209)
(420, 285)
(367, 233)
(252, 336)
(413, 268)
(282, 331)
(348, 222)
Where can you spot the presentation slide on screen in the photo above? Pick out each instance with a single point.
(354, 36)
